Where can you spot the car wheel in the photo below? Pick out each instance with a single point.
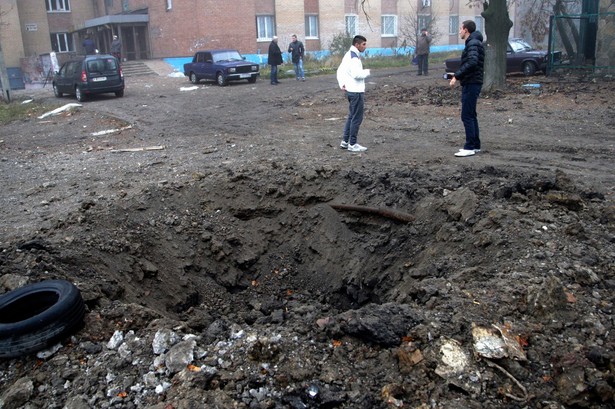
(252, 80)
(56, 91)
(220, 79)
(79, 94)
(38, 315)
(119, 94)
(193, 78)
(529, 68)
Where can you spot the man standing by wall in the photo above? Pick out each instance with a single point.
(470, 75)
(116, 48)
(297, 51)
(351, 79)
(274, 59)
(422, 51)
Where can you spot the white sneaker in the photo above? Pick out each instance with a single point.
(465, 152)
(475, 150)
(356, 148)
(344, 145)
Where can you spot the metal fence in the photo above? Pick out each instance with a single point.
(582, 42)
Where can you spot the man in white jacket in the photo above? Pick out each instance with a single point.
(351, 79)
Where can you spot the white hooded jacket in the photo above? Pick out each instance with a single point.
(350, 74)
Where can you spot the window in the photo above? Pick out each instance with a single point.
(388, 26)
(57, 5)
(426, 3)
(351, 25)
(480, 24)
(424, 22)
(264, 27)
(311, 26)
(62, 42)
(453, 25)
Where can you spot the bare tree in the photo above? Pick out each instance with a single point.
(497, 27)
(410, 25)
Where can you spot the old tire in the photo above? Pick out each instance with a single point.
(193, 78)
(38, 315)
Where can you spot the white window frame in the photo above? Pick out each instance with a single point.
(453, 25)
(265, 27)
(66, 40)
(57, 6)
(480, 24)
(426, 3)
(311, 26)
(352, 24)
(384, 25)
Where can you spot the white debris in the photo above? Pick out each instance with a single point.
(189, 88)
(108, 131)
(58, 110)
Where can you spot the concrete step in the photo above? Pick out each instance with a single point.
(134, 68)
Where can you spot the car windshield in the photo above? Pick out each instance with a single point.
(225, 56)
(519, 45)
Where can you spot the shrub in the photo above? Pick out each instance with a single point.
(340, 44)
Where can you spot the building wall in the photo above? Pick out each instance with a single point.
(190, 25)
(32, 13)
(10, 33)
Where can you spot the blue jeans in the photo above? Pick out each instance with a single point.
(274, 74)
(299, 69)
(469, 98)
(355, 116)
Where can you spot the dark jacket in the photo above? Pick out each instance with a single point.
(296, 49)
(422, 44)
(89, 46)
(471, 70)
(116, 46)
(275, 54)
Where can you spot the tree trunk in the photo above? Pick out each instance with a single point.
(497, 27)
(4, 78)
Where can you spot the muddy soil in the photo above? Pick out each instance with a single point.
(232, 256)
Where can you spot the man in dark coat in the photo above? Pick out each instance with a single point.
(470, 74)
(274, 59)
(297, 51)
(116, 48)
(422, 51)
(89, 46)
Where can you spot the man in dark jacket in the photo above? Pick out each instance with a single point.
(89, 46)
(422, 51)
(470, 75)
(296, 50)
(274, 59)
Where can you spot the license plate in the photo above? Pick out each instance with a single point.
(245, 75)
(97, 79)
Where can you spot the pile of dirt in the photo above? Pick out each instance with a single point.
(251, 263)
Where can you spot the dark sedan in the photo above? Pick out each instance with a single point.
(520, 57)
(221, 66)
